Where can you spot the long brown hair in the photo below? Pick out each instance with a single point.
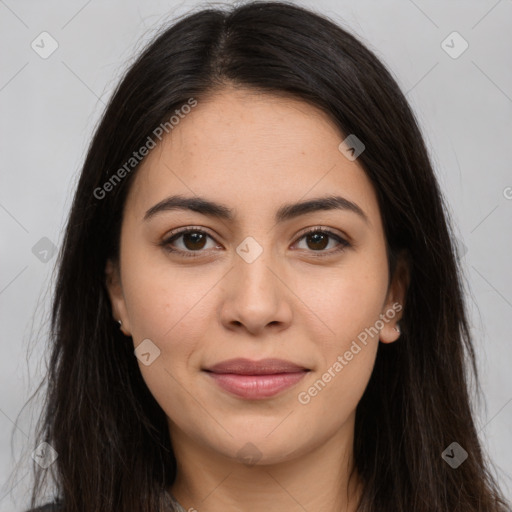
(111, 436)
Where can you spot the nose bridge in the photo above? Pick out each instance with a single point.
(252, 266)
(256, 295)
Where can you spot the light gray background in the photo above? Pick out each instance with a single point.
(51, 106)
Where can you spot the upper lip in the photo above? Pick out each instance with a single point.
(243, 366)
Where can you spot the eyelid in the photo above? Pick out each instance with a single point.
(325, 229)
(343, 240)
(176, 233)
(187, 229)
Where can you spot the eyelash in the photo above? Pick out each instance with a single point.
(166, 243)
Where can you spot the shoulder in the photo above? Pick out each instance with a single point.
(49, 507)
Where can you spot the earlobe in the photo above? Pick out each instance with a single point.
(115, 292)
(390, 332)
(393, 309)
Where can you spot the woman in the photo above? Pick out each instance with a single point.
(258, 304)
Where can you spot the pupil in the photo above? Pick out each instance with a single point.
(317, 239)
(194, 238)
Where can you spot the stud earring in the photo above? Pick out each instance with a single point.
(397, 328)
(120, 323)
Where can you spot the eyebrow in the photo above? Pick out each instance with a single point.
(284, 213)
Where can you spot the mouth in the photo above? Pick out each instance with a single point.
(254, 380)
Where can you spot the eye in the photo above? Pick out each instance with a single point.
(317, 239)
(193, 241)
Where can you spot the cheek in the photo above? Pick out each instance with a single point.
(170, 307)
(332, 396)
(161, 297)
(346, 299)
(173, 308)
(350, 306)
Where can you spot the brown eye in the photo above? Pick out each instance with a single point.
(317, 240)
(193, 242)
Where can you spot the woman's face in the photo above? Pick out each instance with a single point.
(253, 285)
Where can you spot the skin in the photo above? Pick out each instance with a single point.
(254, 152)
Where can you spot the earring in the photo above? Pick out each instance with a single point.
(120, 323)
(397, 328)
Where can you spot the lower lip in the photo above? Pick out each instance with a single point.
(254, 387)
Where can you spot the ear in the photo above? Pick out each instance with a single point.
(395, 301)
(115, 292)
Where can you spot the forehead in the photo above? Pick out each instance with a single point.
(252, 151)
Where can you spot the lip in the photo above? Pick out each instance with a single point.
(255, 380)
(242, 366)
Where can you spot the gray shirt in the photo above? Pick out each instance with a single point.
(174, 502)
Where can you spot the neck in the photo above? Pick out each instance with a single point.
(317, 479)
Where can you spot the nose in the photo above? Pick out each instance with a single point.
(256, 296)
